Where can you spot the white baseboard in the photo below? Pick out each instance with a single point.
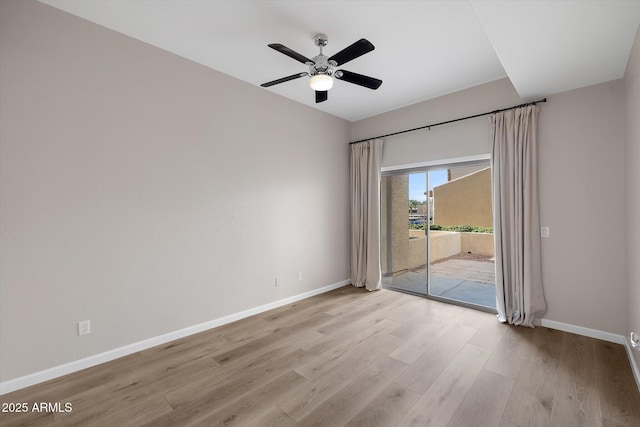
(77, 365)
(601, 335)
(580, 330)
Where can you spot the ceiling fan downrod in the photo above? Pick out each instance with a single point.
(321, 63)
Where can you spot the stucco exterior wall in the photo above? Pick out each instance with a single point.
(464, 201)
(477, 243)
(417, 252)
(444, 244)
(394, 224)
(460, 171)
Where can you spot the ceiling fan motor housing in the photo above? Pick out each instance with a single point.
(322, 65)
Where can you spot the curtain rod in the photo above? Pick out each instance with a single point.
(452, 121)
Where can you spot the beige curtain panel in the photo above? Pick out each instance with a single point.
(519, 291)
(365, 214)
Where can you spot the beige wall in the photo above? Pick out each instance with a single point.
(148, 193)
(582, 201)
(464, 201)
(632, 193)
(461, 139)
(581, 168)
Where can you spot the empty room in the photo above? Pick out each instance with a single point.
(327, 213)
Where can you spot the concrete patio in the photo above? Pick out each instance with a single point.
(464, 278)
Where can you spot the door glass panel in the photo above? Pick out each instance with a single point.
(461, 250)
(403, 245)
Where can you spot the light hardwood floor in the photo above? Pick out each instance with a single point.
(356, 358)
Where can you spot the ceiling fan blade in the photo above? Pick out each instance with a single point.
(322, 95)
(358, 79)
(284, 79)
(349, 53)
(290, 53)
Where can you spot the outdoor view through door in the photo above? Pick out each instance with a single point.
(437, 235)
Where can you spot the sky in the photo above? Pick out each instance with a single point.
(417, 183)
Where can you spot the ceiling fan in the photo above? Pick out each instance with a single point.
(322, 68)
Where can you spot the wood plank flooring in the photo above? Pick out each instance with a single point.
(356, 358)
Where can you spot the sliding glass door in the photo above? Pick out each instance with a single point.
(437, 235)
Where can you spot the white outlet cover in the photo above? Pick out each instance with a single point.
(84, 327)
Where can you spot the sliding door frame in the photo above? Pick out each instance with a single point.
(426, 167)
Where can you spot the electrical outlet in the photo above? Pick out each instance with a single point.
(84, 327)
(277, 283)
(635, 341)
(544, 231)
(299, 276)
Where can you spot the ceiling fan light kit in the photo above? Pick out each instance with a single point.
(322, 68)
(321, 82)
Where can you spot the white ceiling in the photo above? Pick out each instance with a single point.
(424, 49)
